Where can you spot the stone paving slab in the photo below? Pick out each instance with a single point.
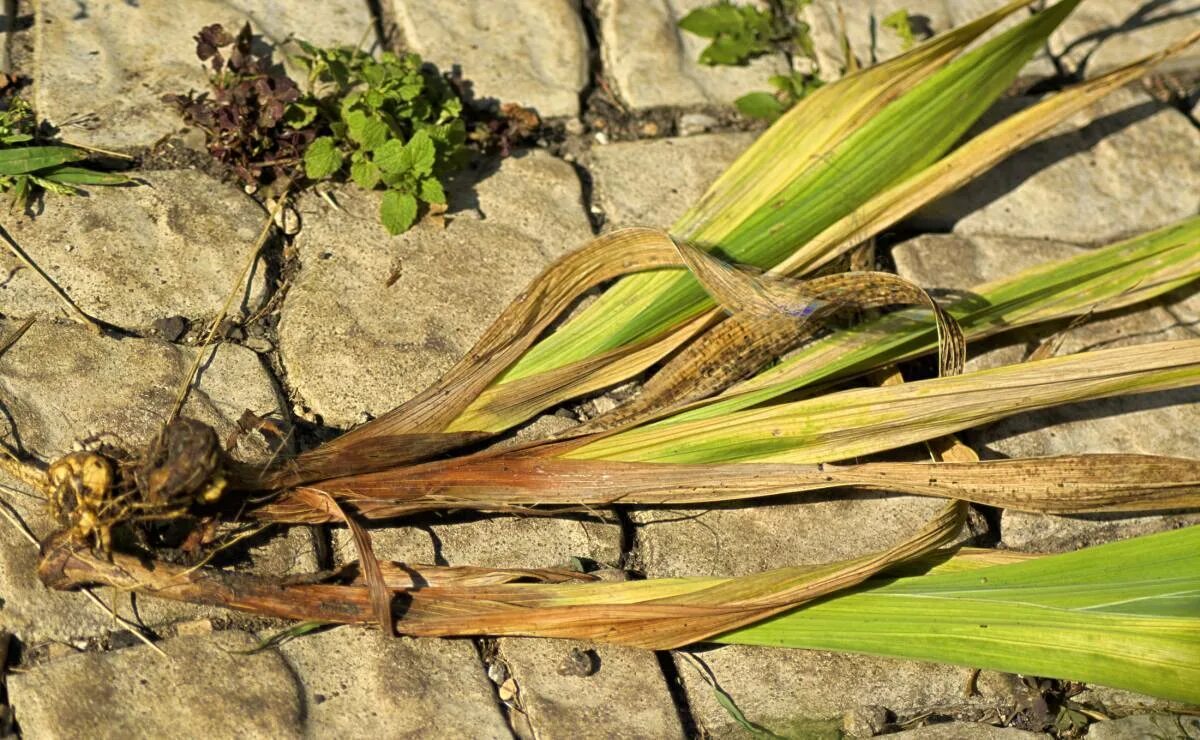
(807, 693)
(873, 43)
(576, 689)
(353, 344)
(535, 55)
(1159, 423)
(494, 541)
(737, 540)
(101, 68)
(358, 683)
(203, 688)
(966, 731)
(1125, 165)
(130, 386)
(1104, 34)
(652, 183)
(652, 62)
(1177, 726)
(172, 246)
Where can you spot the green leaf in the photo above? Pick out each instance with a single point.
(710, 21)
(300, 114)
(398, 211)
(27, 159)
(760, 105)
(1123, 614)
(365, 174)
(374, 133)
(421, 153)
(431, 191)
(355, 120)
(322, 159)
(898, 22)
(904, 137)
(392, 157)
(68, 175)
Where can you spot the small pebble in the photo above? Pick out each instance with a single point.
(865, 721)
(649, 128)
(195, 627)
(601, 138)
(287, 220)
(696, 123)
(575, 127)
(170, 328)
(258, 344)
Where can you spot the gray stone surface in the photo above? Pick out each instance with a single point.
(652, 62)
(949, 262)
(735, 540)
(535, 55)
(1102, 35)
(358, 683)
(966, 731)
(1180, 727)
(495, 541)
(173, 246)
(1120, 703)
(101, 68)
(1158, 423)
(1125, 165)
(60, 384)
(203, 688)
(351, 343)
(610, 692)
(805, 693)
(872, 43)
(652, 183)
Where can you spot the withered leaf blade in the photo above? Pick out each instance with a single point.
(526, 479)
(657, 614)
(431, 411)
(770, 314)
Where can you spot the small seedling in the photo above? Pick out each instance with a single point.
(899, 23)
(26, 165)
(740, 33)
(789, 89)
(249, 116)
(390, 123)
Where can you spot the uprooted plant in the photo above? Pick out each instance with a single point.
(718, 420)
(388, 123)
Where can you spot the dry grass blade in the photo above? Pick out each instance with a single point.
(652, 614)
(74, 310)
(1068, 484)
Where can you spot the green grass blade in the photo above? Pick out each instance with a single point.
(845, 425)
(907, 135)
(1126, 614)
(68, 175)
(1118, 275)
(27, 159)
